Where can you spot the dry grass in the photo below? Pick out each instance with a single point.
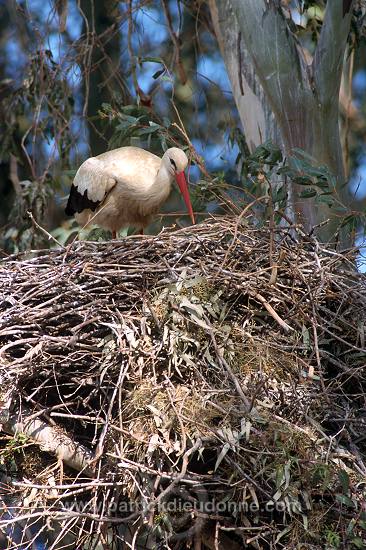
(194, 372)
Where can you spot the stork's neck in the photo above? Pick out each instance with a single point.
(160, 189)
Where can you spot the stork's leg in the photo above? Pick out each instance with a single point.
(139, 231)
(114, 234)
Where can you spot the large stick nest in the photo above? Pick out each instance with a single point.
(202, 387)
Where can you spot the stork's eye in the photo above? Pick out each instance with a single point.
(172, 162)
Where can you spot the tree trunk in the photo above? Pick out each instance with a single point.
(255, 112)
(102, 77)
(296, 104)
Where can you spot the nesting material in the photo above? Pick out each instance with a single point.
(204, 386)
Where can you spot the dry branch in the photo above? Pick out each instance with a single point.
(51, 440)
(171, 359)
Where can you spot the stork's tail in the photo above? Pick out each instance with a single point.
(78, 202)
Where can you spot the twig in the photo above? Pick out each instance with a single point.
(44, 231)
(270, 310)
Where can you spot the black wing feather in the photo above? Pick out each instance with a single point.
(78, 202)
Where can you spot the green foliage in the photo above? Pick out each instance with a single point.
(266, 171)
(321, 476)
(13, 446)
(318, 181)
(333, 539)
(20, 233)
(35, 132)
(36, 111)
(138, 125)
(344, 479)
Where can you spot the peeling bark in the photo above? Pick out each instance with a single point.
(295, 102)
(255, 113)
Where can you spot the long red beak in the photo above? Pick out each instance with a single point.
(182, 184)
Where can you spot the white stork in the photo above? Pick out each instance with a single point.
(126, 187)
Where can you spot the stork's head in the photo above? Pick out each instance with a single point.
(176, 162)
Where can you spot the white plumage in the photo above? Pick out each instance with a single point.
(126, 187)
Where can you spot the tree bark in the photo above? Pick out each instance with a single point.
(302, 99)
(52, 440)
(254, 110)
